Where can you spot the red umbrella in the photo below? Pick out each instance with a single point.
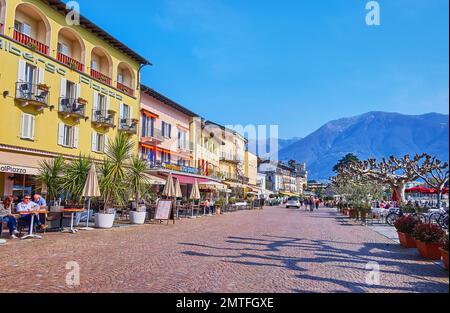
(395, 196)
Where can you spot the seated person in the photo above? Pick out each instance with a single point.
(39, 201)
(7, 217)
(28, 206)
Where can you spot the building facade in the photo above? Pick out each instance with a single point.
(66, 90)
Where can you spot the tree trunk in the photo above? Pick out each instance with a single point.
(439, 195)
(400, 188)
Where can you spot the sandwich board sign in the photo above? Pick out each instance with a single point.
(164, 211)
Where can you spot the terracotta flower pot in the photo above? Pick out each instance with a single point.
(429, 250)
(406, 240)
(444, 257)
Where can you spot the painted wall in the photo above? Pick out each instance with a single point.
(46, 122)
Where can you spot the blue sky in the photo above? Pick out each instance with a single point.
(295, 63)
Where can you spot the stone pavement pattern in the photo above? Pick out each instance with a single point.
(273, 250)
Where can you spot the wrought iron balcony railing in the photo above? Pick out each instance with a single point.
(34, 94)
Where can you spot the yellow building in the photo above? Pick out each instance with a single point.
(251, 169)
(64, 90)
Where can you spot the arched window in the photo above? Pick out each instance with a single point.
(71, 49)
(32, 28)
(125, 78)
(101, 65)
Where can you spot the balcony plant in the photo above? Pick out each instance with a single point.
(82, 101)
(405, 227)
(32, 46)
(138, 185)
(444, 250)
(43, 87)
(429, 240)
(113, 181)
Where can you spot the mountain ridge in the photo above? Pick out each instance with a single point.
(372, 134)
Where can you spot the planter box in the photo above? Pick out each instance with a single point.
(444, 257)
(407, 240)
(218, 210)
(137, 217)
(429, 250)
(104, 220)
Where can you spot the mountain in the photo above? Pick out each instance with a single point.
(374, 134)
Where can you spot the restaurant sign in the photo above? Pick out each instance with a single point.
(181, 168)
(5, 168)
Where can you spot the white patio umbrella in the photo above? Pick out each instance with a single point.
(91, 190)
(195, 194)
(169, 188)
(178, 193)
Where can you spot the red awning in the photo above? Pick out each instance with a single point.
(420, 189)
(183, 179)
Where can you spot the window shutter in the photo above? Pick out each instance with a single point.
(24, 129)
(75, 137)
(108, 100)
(105, 142)
(170, 130)
(163, 129)
(95, 102)
(21, 71)
(61, 134)
(31, 121)
(78, 91)
(121, 111)
(131, 113)
(40, 75)
(94, 141)
(62, 92)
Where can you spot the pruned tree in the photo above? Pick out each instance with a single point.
(435, 173)
(395, 172)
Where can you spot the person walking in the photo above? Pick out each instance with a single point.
(311, 204)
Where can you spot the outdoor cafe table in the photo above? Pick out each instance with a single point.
(72, 212)
(30, 233)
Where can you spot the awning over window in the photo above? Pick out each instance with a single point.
(183, 179)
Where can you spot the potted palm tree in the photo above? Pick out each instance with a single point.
(75, 176)
(113, 183)
(51, 175)
(219, 204)
(138, 184)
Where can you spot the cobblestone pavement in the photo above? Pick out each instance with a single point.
(273, 250)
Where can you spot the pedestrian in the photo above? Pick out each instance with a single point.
(311, 204)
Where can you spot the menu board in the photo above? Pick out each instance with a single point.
(163, 210)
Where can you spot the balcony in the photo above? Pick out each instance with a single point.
(186, 149)
(30, 42)
(36, 95)
(128, 126)
(226, 157)
(101, 77)
(69, 107)
(103, 118)
(72, 63)
(155, 138)
(125, 89)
